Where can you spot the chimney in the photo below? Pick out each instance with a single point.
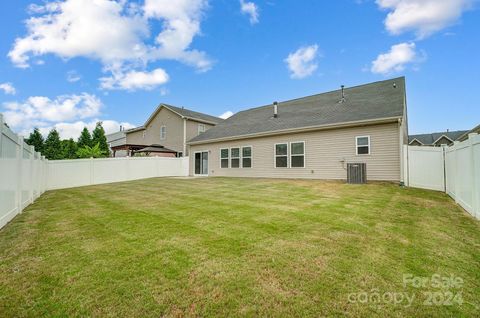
(343, 93)
(275, 109)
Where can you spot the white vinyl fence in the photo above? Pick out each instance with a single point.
(22, 174)
(81, 172)
(454, 170)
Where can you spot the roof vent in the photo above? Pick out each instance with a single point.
(343, 94)
(275, 109)
(394, 85)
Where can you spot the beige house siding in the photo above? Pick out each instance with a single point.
(192, 128)
(324, 151)
(174, 138)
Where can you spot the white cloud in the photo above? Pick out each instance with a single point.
(40, 111)
(250, 9)
(8, 88)
(134, 80)
(73, 76)
(72, 130)
(424, 17)
(303, 62)
(396, 59)
(69, 114)
(117, 33)
(226, 115)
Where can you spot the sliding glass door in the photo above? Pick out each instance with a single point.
(201, 163)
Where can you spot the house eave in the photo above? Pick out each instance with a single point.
(302, 129)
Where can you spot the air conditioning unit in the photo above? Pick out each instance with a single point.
(356, 173)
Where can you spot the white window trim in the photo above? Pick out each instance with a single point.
(298, 155)
(275, 155)
(356, 146)
(228, 158)
(161, 135)
(199, 131)
(208, 163)
(251, 156)
(239, 157)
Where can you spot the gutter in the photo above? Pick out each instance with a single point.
(302, 129)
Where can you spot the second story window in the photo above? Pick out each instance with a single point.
(201, 128)
(163, 132)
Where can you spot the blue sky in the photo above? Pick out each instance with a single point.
(67, 64)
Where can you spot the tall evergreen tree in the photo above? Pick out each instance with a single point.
(53, 146)
(36, 140)
(98, 137)
(69, 149)
(85, 138)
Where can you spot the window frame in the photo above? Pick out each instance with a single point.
(242, 157)
(275, 155)
(199, 131)
(239, 157)
(357, 145)
(228, 158)
(163, 136)
(298, 155)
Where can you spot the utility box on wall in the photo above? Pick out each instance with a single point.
(356, 173)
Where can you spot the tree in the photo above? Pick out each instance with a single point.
(69, 149)
(90, 152)
(36, 140)
(98, 137)
(53, 146)
(85, 138)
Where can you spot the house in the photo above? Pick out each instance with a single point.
(117, 139)
(311, 137)
(435, 139)
(465, 135)
(166, 132)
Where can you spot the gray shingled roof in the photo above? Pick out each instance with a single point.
(193, 114)
(372, 101)
(429, 139)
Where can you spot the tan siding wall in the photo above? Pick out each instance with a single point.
(192, 128)
(324, 152)
(174, 138)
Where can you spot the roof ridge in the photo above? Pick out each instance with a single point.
(324, 93)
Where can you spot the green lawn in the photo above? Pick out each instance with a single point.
(238, 247)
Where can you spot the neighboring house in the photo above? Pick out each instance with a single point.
(167, 131)
(435, 139)
(465, 135)
(117, 139)
(311, 137)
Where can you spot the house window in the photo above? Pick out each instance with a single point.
(201, 128)
(281, 155)
(363, 145)
(297, 154)
(163, 132)
(235, 158)
(224, 158)
(246, 157)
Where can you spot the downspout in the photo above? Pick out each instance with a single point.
(184, 136)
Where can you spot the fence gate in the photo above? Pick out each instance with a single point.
(425, 168)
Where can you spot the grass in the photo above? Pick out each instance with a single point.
(236, 247)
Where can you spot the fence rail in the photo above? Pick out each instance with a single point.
(454, 170)
(22, 174)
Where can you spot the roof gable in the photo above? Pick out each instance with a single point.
(369, 102)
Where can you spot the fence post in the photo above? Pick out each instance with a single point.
(19, 172)
(91, 171)
(475, 186)
(32, 173)
(455, 168)
(2, 127)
